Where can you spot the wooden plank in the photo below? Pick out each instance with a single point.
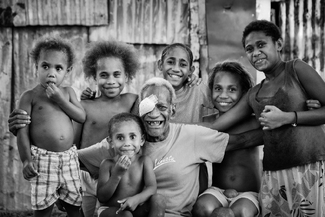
(322, 39)
(316, 33)
(147, 21)
(5, 103)
(138, 23)
(171, 14)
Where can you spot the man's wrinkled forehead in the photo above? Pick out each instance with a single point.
(161, 92)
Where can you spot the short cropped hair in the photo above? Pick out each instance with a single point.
(125, 117)
(183, 46)
(235, 68)
(158, 82)
(100, 49)
(55, 44)
(267, 27)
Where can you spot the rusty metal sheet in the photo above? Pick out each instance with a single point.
(5, 96)
(53, 13)
(302, 24)
(226, 20)
(149, 21)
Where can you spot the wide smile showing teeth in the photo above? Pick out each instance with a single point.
(259, 61)
(154, 123)
(174, 76)
(224, 103)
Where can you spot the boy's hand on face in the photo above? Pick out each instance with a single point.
(122, 165)
(29, 170)
(54, 93)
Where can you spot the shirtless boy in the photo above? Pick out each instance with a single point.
(46, 144)
(127, 182)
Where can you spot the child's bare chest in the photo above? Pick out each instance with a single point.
(44, 108)
(99, 114)
(133, 179)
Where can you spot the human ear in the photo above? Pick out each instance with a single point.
(192, 69)
(69, 69)
(126, 77)
(173, 108)
(108, 139)
(143, 140)
(160, 63)
(279, 44)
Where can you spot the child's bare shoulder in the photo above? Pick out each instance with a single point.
(28, 95)
(145, 160)
(107, 163)
(130, 97)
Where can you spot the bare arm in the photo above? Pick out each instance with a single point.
(135, 106)
(23, 139)
(235, 115)
(110, 177)
(149, 180)
(131, 203)
(18, 118)
(71, 106)
(77, 133)
(247, 139)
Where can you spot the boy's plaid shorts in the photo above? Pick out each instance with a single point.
(59, 178)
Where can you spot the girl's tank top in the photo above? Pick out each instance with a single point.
(289, 146)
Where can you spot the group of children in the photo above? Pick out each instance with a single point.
(125, 182)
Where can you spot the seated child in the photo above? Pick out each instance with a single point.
(50, 161)
(127, 182)
(236, 180)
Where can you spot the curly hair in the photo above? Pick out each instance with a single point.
(269, 29)
(183, 46)
(235, 68)
(125, 117)
(120, 50)
(56, 44)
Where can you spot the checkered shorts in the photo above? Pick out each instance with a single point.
(59, 178)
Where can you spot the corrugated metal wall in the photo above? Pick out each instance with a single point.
(302, 24)
(147, 24)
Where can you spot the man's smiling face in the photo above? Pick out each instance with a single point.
(157, 121)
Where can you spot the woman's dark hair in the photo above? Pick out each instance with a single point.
(269, 29)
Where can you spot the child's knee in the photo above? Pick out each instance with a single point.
(158, 200)
(222, 212)
(202, 208)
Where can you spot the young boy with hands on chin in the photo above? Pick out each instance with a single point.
(127, 182)
(46, 144)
